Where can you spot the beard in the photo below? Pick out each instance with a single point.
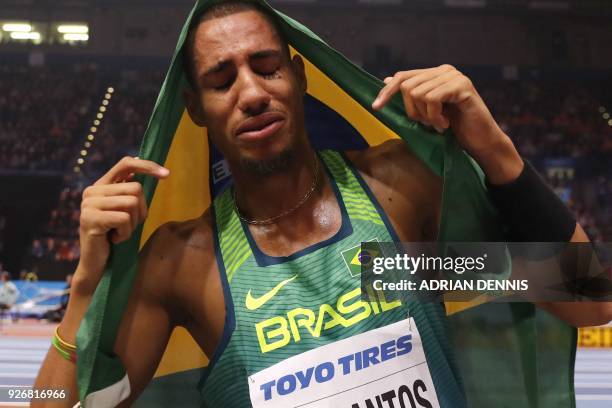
(273, 165)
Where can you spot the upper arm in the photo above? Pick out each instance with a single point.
(148, 319)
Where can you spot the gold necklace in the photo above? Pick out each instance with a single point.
(271, 220)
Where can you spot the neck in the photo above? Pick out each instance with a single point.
(282, 192)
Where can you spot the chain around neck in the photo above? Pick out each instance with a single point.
(271, 220)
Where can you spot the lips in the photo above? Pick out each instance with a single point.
(260, 126)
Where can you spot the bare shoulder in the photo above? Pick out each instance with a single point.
(407, 190)
(393, 163)
(174, 254)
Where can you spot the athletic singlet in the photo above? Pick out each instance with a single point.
(298, 333)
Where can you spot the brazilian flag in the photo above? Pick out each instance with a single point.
(509, 355)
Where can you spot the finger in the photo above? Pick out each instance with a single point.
(392, 87)
(415, 88)
(118, 223)
(387, 79)
(129, 165)
(410, 106)
(455, 91)
(121, 234)
(432, 114)
(100, 222)
(435, 116)
(106, 190)
(128, 203)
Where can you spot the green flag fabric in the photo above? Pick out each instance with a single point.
(509, 355)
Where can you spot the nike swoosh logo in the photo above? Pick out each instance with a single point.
(255, 303)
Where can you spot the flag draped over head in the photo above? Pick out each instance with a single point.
(503, 350)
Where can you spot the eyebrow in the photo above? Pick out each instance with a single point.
(220, 66)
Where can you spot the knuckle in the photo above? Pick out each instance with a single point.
(131, 201)
(447, 67)
(138, 188)
(125, 218)
(415, 93)
(87, 192)
(126, 160)
(134, 188)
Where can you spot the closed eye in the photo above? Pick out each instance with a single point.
(270, 75)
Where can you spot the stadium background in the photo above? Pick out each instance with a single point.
(78, 80)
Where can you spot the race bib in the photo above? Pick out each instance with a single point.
(385, 367)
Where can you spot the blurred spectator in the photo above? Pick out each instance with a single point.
(37, 250)
(46, 113)
(8, 291)
(42, 112)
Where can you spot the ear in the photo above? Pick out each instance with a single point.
(194, 106)
(298, 68)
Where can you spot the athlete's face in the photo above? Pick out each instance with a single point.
(249, 92)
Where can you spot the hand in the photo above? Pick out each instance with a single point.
(443, 98)
(111, 210)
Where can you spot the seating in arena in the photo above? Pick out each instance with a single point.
(557, 126)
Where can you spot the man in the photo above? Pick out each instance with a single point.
(268, 246)
(8, 292)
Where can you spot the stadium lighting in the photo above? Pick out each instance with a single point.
(102, 109)
(20, 35)
(610, 122)
(93, 129)
(76, 37)
(76, 169)
(90, 137)
(606, 116)
(110, 89)
(88, 144)
(100, 115)
(17, 27)
(83, 152)
(96, 122)
(73, 29)
(80, 161)
(602, 109)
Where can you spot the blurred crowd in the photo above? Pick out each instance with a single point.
(58, 239)
(42, 112)
(553, 119)
(45, 116)
(2, 227)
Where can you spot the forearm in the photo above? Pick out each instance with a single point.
(543, 218)
(501, 163)
(57, 372)
(580, 314)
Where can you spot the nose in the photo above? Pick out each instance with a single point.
(253, 99)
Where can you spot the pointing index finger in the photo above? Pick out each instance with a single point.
(391, 87)
(128, 165)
